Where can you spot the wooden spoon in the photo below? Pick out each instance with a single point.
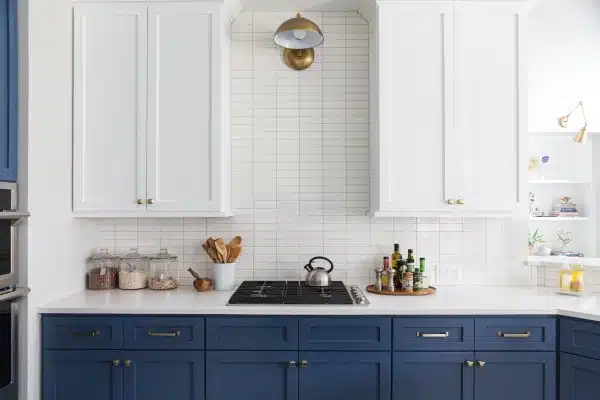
(236, 241)
(234, 254)
(221, 249)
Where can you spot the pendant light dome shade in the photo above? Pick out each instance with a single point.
(298, 33)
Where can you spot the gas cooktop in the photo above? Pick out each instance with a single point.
(296, 293)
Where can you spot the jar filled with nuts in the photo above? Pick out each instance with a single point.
(163, 271)
(102, 271)
(133, 271)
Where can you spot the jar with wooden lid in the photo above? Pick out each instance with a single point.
(102, 271)
(133, 271)
(163, 271)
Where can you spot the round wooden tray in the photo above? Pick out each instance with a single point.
(424, 292)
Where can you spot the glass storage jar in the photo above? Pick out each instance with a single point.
(102, 271)
(133, 271)
(163, 271)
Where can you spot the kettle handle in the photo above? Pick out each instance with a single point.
(321, 258)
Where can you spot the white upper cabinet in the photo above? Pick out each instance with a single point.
(489, 124)
(109, 119)
(150, 102)
(185, 141)
(414, 106)
(449, 109)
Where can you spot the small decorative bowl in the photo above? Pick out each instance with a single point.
(203, 285)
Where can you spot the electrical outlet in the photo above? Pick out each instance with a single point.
(450, 275)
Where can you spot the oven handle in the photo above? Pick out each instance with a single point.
(14, 337)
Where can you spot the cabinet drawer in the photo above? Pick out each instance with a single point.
(164, 333)
(436, 334)
(515, 333)
(345, 333)
(252, 333)
(580, 337)
(82, 333)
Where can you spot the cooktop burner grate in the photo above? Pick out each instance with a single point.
(290, 292)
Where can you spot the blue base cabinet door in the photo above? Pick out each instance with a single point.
(579, 378)
(161, 375)
(444, 375)
(251, 375)
(515, 376)
(344, 375)
(77, 375)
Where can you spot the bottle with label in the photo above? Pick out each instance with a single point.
(384, 273)
(400, 267)
(418, 277)
(410, 261)
(424, 278)
(396, 255)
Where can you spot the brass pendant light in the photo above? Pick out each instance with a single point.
(298, 36)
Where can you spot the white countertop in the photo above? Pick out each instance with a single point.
(483, 300)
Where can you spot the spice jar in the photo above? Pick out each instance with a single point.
(133, 269)
(102, 271)
(163, 271)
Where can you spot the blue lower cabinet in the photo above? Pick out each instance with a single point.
(345, 375)
(515, 376)
(251, 375)
(579, 377)
(76, 375)
(161, 375)
(428, 375)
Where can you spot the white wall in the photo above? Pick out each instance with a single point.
(57, 244)
(564, 63)
(300, 154)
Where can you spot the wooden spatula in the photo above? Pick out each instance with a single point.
(221, 249)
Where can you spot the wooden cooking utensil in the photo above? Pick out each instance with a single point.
(212, 253)
(221, 249)
(236, 241)
(234, 254)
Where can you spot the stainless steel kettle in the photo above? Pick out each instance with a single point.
(319, 276)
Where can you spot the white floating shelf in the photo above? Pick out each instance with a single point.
(558, 218)
(560, 182)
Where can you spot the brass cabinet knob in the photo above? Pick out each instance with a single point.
(292, 364)
(116, 363)
(303, 364)
(451, 201)
(128, 363)
(481, 363)
(150, 201)
(470, 364)
(460, 202)
(140, 201)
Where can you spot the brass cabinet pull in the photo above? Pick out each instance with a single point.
(128, 363)
(164, 334)
(150, 201)
(292, 364)
(140, 201)
(451, 201)
(116, 363)
(433, 335)
(470, 363)
(514, 335)
(481, 364)
(303, 364)
(88, 333)
(460, 202)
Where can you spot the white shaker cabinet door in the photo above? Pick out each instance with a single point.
(185, 132)
(109, 107)
(415, 108)
(490, 104)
